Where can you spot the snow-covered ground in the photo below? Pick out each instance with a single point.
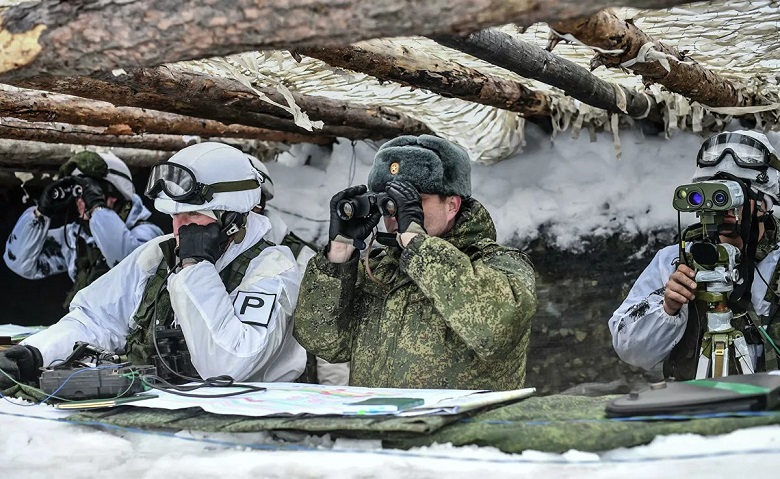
(35, 444)
(571, 187)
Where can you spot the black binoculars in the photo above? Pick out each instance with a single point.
(63, 192)
(363, 205)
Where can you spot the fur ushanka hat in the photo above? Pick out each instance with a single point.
(433, 165)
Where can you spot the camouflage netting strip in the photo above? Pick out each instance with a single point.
(550, 424)
(198, 420)
(24, 392)
(560, 423)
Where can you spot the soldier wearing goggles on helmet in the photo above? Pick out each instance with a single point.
(212, 299)
(659, 322)
(111, 223)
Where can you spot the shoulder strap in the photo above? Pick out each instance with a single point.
(234, 273)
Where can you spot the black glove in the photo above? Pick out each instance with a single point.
(353, 231)
(201, 242)
(91, 192)
(22, 363)
(56, 196)
(408, 203)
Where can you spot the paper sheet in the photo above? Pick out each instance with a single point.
(287, 399)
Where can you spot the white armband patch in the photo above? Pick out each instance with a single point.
(254, 308)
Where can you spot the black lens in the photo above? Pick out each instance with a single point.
(355, 207)
(345, 209)
(720, 198)
(695, 198)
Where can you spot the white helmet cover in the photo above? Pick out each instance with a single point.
(770, 188)
(268, 183)
(118, 174)
(213, 163)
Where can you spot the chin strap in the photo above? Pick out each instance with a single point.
(740, 299)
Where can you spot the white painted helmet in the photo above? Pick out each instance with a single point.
(208, 176)
(268, 183)
(104, 165)
(745, 154)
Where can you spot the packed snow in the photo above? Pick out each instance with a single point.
(36, 443)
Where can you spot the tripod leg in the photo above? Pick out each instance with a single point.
(720, 356)
(743, 356)
(703, 368)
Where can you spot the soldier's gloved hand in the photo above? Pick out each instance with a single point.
(56, 196)
(91, 192)
(22, 363)
(408, 203)
(352, 231)
(200, 242)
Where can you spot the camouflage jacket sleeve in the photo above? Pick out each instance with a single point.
(322, 313)
(488, 302)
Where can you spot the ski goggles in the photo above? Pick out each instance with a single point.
(747, 152)
(181, 185)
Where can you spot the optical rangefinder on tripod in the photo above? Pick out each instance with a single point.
(716, 268)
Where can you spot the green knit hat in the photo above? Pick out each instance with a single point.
(432, 164)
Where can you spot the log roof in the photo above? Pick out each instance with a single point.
(738, 40)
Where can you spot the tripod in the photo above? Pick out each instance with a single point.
(720, 339)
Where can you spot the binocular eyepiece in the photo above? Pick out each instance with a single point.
(63, 192)
(363, 205)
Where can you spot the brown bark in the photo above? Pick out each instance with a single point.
(67, 37)
(606, 31)
(387, 61)
(531, 61)
(30, 154)
(38, 106)
(13, 129)
(175, 90)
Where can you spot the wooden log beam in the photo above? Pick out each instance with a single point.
(76, 37)
(38, 106)
(14, 129)
(183, 92)
(29, 154)
(531, 61)
(389, 61)
(606, 31)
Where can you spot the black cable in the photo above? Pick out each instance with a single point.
(352, 165)
(217, 381)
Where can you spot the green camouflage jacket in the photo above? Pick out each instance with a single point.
(454, 312)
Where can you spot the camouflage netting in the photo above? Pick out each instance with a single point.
(736, 39)
(551, 424)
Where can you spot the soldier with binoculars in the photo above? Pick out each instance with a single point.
(111, 223)
(444, 305)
